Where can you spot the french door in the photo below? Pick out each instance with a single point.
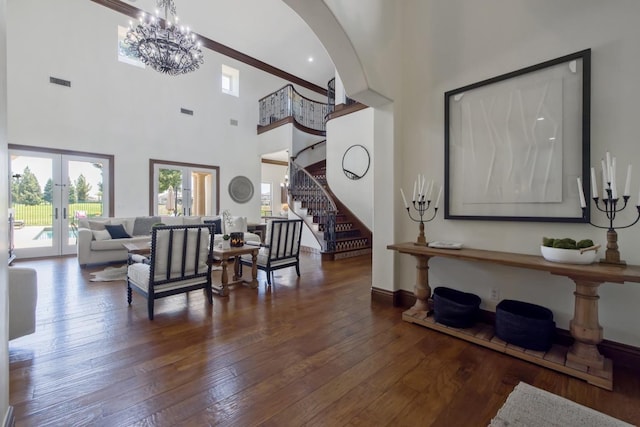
(185, 189)
(50, 192)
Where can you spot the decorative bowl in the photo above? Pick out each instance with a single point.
(568, 256)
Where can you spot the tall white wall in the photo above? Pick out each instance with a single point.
(115, 108)
(4, 197)
(342, 133)
(451, 44)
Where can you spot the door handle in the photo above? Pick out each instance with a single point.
(55, 213)
(64, 213)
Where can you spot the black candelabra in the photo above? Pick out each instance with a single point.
(421, 205)
(610, 206)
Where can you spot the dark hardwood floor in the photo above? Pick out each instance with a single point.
(310, 351)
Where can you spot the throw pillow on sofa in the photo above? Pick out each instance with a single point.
(101, 235)
(142, 225)
(98, 224)
(217, 224)
(237, 224)
(117, 231)
(191, 220)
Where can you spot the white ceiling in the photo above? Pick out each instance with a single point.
(267, 30)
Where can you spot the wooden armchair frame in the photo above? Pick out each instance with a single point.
(180, 261)
(283, 249)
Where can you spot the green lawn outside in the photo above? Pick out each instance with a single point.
(43, 214)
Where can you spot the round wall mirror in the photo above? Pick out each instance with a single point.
(355, 162)
(241, 189)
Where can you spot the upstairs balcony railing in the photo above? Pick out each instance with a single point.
(331, 96)
(286, 102)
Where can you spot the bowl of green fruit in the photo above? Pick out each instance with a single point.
(569, 251)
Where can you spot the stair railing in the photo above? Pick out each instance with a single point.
(287, 102)
(305, 188)
(310, 147)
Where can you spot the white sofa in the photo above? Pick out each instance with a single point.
(23, 297)
(96, 245)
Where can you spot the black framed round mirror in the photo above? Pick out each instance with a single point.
(355, 162)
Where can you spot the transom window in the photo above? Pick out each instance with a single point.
(230, 82)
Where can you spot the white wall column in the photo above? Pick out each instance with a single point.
(4, 233)
(384, 197)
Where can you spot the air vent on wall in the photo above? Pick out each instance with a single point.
(233, 122)
(187, 112)
(60, 82)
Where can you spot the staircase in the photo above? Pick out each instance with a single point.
(338, 230)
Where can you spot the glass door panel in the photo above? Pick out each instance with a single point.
(50, 192)
(184, 190)
(32, 199)
(201, 193)
(82, 194)
(168, 190)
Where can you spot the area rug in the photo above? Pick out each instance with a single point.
(531, 406)
(110, 274)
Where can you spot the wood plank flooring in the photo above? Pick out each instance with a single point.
(309, 351)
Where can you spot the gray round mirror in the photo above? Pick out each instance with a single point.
(355, 162)
(241, 189)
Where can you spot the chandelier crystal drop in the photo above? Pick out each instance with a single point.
(162, 44)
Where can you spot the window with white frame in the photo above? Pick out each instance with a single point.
(230, 82)
(266, 199)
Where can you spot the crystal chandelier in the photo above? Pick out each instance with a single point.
(163, 45)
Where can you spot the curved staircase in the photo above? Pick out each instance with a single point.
(340, 233)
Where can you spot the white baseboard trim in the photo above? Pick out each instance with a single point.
(9, 418)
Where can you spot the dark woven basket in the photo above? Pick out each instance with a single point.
(525, 325)
(455, 308)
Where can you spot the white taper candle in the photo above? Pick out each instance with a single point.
(583, 203)
(415, 185)
(608, 156)
(627, 184)
(605, 194)
(614, 173)
(404, 199)
(438, 199)
(594, 183)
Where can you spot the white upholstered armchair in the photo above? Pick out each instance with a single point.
(282, 249)
(23, 297)
(179, 262)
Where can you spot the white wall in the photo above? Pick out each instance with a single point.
(373, 28)
(115, 108)
(342, 133)
(451, 44)
(4, 197)
(274, 175)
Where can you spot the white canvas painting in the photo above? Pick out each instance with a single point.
(511, 142)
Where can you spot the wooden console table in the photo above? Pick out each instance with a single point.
(582, 360)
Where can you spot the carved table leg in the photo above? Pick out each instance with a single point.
(421, 290)
(254, 269)
(223, 290)
(584, 326)
(236, 269)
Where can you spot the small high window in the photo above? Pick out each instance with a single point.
(230, 82)
(125, 53)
